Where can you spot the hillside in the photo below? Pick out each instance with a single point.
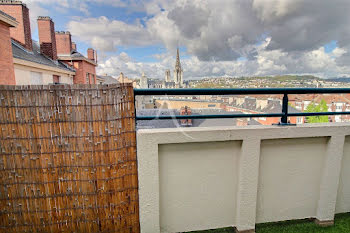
(284, 77)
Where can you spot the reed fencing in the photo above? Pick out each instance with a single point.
(68, 159)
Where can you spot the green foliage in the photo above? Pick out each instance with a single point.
(321, 107)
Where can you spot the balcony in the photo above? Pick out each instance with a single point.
(72, 160)
(213, 177)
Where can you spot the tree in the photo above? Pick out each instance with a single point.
(321, 107)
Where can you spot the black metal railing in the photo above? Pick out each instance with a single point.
(239, 91)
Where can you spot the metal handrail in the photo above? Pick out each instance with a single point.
(240, 91)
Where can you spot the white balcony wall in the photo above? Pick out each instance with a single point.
(204, 178)
(187, 181)
(343, 199)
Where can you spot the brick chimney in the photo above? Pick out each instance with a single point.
(74, 46)
(20, 12)
(47, 37)
(92, 54)
(7, 72)
(63, 43)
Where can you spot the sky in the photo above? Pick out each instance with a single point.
(216, 38)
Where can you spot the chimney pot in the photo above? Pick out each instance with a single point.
(63, 42)
(47, 37)
(91, 54)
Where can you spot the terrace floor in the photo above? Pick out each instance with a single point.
(342, 225)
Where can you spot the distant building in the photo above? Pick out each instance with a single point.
(105, 79)
(123, 79)
(85, 67)
(256, 105)
(335, 103)
(167, 76)
(178, 72)
(167, 82)
(143, 81)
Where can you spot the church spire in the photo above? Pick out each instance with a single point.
(178, 73)
(178, 64)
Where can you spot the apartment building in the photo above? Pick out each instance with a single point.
(42, 62)
(6, 59)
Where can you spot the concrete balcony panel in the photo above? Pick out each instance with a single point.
(205, 178)
(343, 198)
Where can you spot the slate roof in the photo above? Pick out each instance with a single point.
(75, 53)
(273, 106)
(35, 56)
(249, 103)
(107, 79)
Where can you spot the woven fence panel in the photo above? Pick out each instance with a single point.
(68, 159)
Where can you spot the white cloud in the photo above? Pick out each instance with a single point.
(267, 62)
(274, 36)
(105, 34)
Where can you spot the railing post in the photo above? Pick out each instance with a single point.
(284, 118)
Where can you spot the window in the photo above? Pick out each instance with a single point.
(87, 78)
(299, 120)
(36, 78)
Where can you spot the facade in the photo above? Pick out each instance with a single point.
(7, 73)
(85, 67)
(143, 81)
(40, 65)
(33, 68)
(123, 79)
(167, 76)
(52, 60)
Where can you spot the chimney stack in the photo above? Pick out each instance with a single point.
(47, 37)
(74, 46)
(20, 12)
(63, 43)
(92, 54)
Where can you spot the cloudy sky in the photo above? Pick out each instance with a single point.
(215, 37)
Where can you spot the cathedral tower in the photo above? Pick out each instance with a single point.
(143, 81)
(178, 72)
(167, 76)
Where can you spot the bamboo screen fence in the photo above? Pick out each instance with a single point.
(68, 159)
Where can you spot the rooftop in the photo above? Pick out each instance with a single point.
(35, 56)
(107, 79)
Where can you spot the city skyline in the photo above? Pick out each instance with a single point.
(233, 38)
